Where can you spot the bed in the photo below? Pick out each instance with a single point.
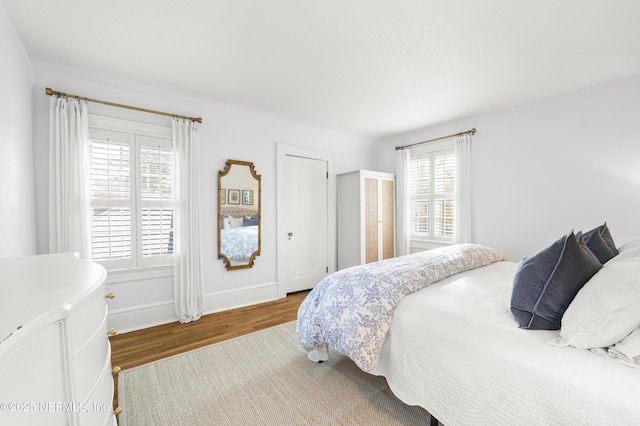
(238, 234)
(238, 244)
(453, 345)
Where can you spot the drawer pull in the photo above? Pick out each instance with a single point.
(118, 411)
(116, 370)
(109, 296)
(112, 332)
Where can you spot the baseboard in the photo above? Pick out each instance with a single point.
(144, 316)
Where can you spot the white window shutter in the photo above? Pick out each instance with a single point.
(432, 176)
(132, 198)
(110, 191)
(157, 193)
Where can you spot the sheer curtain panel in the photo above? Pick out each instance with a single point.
(68, 192)
(187, 269)
(402, 201)
(462, 203)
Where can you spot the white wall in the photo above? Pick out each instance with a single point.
(541, 169)
(227, 132)
(17, 205)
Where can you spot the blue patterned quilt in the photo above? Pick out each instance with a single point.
(351, 310)
(239, 243)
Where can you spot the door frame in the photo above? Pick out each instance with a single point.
(282, 151)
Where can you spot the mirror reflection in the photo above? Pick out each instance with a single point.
(238, 214)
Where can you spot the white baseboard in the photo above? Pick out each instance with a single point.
(138, 317)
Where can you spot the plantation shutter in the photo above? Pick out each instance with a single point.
(156, 174)
(432, 194)
(419, 190)
(132, 199)
(110, 192)
(444, 183)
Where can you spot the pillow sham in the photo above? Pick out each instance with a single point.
(600, 242)
(628, 250)
(606, 309)
(630, 246)
(628, 349)
(546, 282)
(250, 221)
(232, 222)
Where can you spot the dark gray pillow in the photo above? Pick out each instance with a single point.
(250, 221)
(545, 283)
(600, 242)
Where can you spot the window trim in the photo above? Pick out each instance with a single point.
(138, 274)
(116, 271)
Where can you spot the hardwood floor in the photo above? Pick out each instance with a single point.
(150, 344)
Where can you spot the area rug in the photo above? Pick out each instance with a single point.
(263, 378)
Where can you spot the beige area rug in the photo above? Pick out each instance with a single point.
(263, 378)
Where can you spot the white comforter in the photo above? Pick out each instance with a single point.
(454, 349)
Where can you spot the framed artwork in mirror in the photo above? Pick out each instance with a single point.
(234, 196)
(247, 196)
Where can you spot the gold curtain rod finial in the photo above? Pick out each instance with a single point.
(48, 91)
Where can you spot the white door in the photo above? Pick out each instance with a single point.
(304, 222)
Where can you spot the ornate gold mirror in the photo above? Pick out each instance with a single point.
(238, 214)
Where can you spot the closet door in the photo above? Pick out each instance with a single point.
(379, 218)
(371, 220)
(306, 221)
(387, 225)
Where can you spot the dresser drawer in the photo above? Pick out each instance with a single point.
(89, 365)
(86, 318)
(99, 408)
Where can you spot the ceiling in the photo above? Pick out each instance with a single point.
(375, 67)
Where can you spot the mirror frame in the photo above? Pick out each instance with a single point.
(257, 177)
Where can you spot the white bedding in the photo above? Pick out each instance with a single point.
(455, 349)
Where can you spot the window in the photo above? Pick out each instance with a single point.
(132, 196)
(432, 174)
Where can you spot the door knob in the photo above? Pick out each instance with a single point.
(290, 234)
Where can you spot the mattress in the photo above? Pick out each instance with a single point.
(455, 349)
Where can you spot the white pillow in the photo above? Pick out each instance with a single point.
(631, 245)
(628, 250)
(233, 222)
(628, 348)
(606, 309)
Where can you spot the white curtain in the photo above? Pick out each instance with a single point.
(403, 239)
(187, 269)
(462, 213)
(68, 183)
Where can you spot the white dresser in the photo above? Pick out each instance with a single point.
(55, 357)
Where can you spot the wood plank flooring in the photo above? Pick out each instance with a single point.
(150, 344)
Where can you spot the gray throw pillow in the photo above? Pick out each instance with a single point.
(545, 283)
(600, 242)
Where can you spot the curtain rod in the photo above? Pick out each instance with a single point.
(472, 131)
(50, 92)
